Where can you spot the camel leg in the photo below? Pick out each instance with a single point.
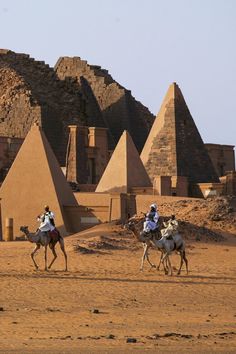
(62, 245)
(145, 248)
(52, 247)
(45, 256)
(164, 262)
(161, 256)
(181, 263)
(183, 259)
(164, 266)
(147, 257)
(166, 257)
(37, 247)
(169, 265)
(186, 261)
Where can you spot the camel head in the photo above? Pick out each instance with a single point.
(130, 226)
(134, 225)
(24, 229)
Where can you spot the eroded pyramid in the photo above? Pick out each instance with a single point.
(125, 169)
(174, 146)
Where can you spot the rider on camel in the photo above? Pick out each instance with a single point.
(151, 219)
(46, 220)
(171, 227)
(173, 222)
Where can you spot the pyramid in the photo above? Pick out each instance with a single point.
(174, 146)
(35, 179)
(125, 169)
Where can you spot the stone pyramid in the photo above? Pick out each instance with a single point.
(125, 169)
(35, 179)
(174, 146)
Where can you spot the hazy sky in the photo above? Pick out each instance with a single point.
(145, 45)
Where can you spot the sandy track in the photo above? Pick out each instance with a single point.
(52, 312)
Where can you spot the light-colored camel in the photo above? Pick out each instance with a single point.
(44, 239)
(135, 225)
(166, 244)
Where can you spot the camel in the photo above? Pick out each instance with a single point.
(166, 244)
(135, 226)
(44, 239)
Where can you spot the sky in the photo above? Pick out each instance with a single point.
(145, 44)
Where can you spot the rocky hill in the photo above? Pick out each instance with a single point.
(30, 91)
(73, 93)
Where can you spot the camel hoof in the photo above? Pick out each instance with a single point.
(152, 266)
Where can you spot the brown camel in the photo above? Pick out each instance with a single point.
(44, 239)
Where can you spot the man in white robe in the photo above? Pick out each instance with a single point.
(152, 218)
(46, 220)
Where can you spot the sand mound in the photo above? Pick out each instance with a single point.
(117, 238)
(83, 250)
(199, 220)
(212, 214)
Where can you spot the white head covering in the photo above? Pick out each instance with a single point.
(153, 206)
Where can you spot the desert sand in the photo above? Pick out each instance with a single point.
(104, 300)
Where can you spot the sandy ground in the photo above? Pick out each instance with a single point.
(53, 312)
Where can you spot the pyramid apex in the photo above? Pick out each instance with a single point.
(173, 92)
(35, 126)
(35, 169)
(126, 160)
(174, 145)
(125, 135)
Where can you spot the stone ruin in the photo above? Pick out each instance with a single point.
(119, 108)
(83, 112)
(31, 91)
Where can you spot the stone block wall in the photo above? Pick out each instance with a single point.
(120, 110)
(8, 151)
(30, 91)
(162, 185)
(87, 154)
(230, 186)
(193, 160)
(222, 157)
(162, 159)
(174, 146)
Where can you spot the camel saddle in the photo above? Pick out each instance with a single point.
(54, 234)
